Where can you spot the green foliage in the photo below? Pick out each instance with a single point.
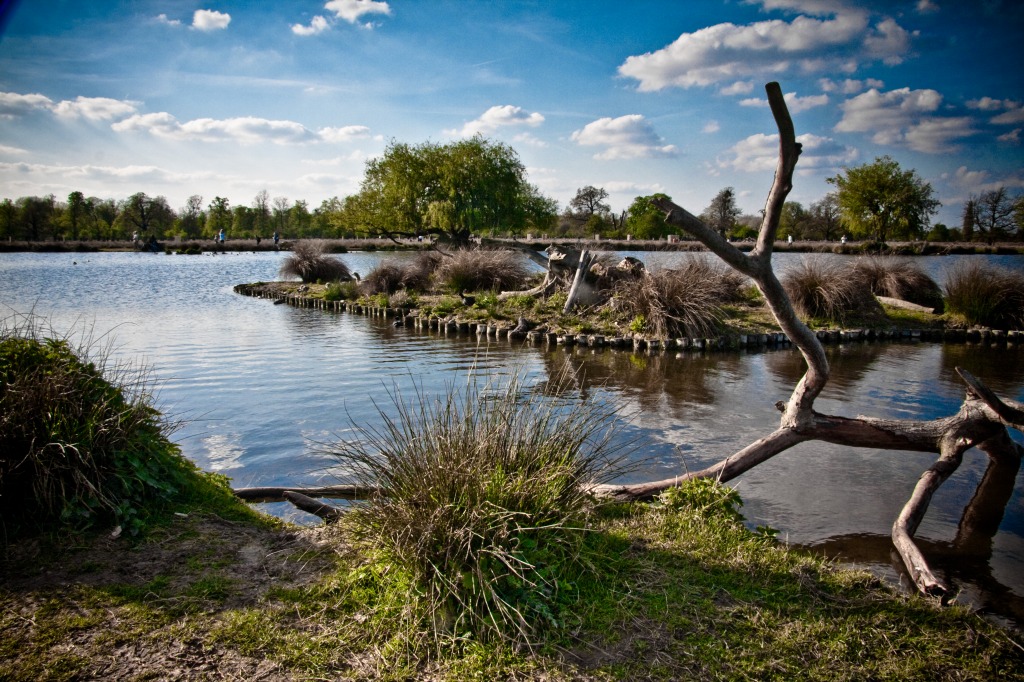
(881, 201)
(77, 450)
(707, 497)
(986, 295)
(483, 498)
(645, 220)
(638, 324)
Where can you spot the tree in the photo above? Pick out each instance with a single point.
(588, 201)
(280, 211)
(260, 215)
(243, 220)
(218, 217)
(76, 212)
(149, 216)
(8, 219)
(970, 209)
(191, 218)
(722, 213)
(35, 217)
(299, 220)
(646, 220)
(452, 190)
(794, 220)
(824, 217)
(880, 200)
(993, 215)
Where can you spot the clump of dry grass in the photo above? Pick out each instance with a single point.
(986, 295)
(685, 301)
(481, 270)
(898, 278)
(825, 289)
(385, 278)
(310, 262)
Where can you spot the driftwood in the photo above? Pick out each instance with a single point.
(981, 421)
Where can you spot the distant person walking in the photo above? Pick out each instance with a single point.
(220, 237)
(276, 237)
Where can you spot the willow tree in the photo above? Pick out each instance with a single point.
(452, 190)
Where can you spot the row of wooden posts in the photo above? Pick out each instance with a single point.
(452, 327)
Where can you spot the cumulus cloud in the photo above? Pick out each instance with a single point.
(737, 88)
(711, 127)
(625, 137)
(500, 116)
(12, 151)
(974, 182)
(794, 103)
(90, 108)
(167, 21)
(354, 10)
(317, 25)
(760, 152)
(243, 130)
(210, 20)
(904, 117)
(849, 86)
(95, 108)
(1012, 137)
(731, 52)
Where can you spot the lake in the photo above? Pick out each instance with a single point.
(258, 387)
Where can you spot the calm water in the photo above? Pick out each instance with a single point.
(259, 385)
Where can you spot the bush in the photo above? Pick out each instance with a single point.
(481, 270)
(483, 495)
(310, 262)
(386, 278)
(986, 295)
(898, 278)
(685, 301)
(825, 289)
(76, 449)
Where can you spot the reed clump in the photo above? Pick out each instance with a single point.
(986, 295)
(686, 301)
(898, 278)
(482, 504)
(310, 262)
(481, 270)
(826, 290)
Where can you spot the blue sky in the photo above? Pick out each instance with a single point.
(229, 98)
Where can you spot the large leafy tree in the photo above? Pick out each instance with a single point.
(453, 190)
(218, 216)
(723, 211)
(646, 220)
(824, 218)
(880, 200)
(589, 201)
(191, 218)
(150, 216)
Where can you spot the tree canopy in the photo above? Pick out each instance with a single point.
(453, 190)
(723, 211)
(880, 201)
(646, 220)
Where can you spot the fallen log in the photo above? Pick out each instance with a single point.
(307, 504)
(277, 494)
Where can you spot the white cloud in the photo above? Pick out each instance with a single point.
(990, 104)
(529, 140)
(95, 108)
(904, 117)
(626, 137)
(793, 103)
(317, 25)
(499, 116)
(1012, 137)
(353, 10)
(926, 6)
(14, 104)
(978, 181)
(1010, 117)
(760, 153)
(730, 52)
(164, 19)
(243, 130)
(344, 134)
(12, 151)
(849, 86)
(210, 20)
(711, 127)
(737, 88)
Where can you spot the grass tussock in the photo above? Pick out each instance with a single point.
(686, 301)
(483, 504)
(80, 444)
(986, 295)
(481, 270)
(898, 278)
(825, 290)
(310, 262)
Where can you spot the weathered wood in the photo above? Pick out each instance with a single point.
(904, 305)
(276, 494)
(307, 504)
(585, 261)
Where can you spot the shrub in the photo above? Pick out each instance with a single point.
(986, 295)
(480, 269)
(77, 449)
(416, 275)
(824, 289)
(310, 262)
(898, 278)
(483, 495)
(685, 301)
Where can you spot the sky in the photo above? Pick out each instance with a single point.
(226, 98)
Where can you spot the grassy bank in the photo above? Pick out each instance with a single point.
(491, 565)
